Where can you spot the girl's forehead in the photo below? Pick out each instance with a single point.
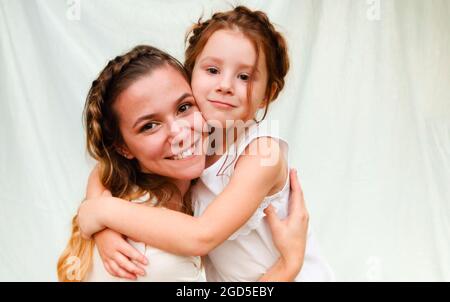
(230, 45)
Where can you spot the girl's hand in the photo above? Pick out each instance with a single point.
(290, 234)
(119, 257)
(88, 212)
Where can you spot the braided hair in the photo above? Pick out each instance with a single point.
(118, 174)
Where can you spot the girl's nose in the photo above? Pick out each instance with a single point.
(225, 85)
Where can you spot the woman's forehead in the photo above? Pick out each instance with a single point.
(152, 93)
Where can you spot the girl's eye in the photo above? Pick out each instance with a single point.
(184, 107)
(148, 127)
(212, 70)
(244, 77)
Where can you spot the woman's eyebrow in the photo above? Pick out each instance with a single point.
(183, 96)
(152, 115)
(143, 118)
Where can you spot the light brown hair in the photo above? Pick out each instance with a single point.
(121, 176)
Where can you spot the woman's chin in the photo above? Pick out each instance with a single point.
(187, 169)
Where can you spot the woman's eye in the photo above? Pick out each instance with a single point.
(184, 107)
(212, 70)
(149, 126)
(244, 77)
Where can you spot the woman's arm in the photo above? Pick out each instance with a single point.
(183, 234)
(289, 237)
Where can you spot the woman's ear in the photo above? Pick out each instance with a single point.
(123, 150)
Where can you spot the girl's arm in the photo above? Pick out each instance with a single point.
(289, 236)
(183, 234)
(120, 258)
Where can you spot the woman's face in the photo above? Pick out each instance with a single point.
(161, 125)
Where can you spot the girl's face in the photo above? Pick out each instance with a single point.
(161, 125)
(220, 78)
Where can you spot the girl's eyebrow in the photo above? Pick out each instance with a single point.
(152, 115)
(217, 60)
(212, 59)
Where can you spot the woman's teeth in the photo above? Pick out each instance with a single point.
(185, 154)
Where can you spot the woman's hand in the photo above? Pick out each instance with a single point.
(88, 213)
(290, 234)
(119, 257)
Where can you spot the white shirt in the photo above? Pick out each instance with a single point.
(162, 266)
(248, 253)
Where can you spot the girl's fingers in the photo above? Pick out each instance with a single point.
(128, 266)
(120, 272)
(129, 251)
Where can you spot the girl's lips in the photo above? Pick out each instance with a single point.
(222, 104)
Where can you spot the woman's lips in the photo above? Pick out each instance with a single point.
(221, 104)
(193, 151)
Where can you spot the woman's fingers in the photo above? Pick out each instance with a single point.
(296, 200)
(272, 218)
(132, 253)
(119, 272)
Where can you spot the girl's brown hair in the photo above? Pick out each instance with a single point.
(121, 176)
(255, 25)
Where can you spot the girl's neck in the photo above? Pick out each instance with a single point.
(220, 139)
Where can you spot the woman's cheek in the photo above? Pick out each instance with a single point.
(153, 147)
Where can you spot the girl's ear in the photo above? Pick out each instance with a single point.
(124, 151)
(269, 97)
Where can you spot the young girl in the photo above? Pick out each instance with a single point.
(133, 87)
(237, 62)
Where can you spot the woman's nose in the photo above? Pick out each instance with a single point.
(180, 132)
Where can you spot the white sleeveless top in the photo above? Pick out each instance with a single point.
(162, 266)
(248, 253)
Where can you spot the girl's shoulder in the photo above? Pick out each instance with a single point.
(261, 139)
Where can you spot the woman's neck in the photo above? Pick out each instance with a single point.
(176, 201)
(182, 185)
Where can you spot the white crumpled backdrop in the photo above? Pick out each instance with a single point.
(366, 109)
